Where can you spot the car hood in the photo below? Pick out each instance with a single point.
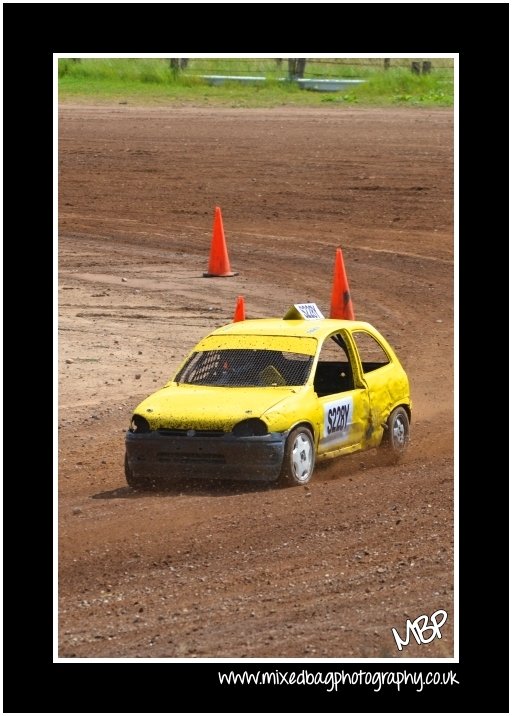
(208, 408)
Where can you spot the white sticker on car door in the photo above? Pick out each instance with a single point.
(338, 419)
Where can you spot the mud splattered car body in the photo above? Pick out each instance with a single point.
(264, 399)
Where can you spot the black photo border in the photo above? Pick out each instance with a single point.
(32, 33)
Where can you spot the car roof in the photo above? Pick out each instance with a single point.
(317, 328)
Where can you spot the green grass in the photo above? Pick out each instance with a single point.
(401, 86)
(152, 81)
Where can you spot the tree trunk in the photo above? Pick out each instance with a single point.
(301, 66)
(178, 63)
(296, 67)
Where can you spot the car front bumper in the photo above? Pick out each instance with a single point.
(156, 456)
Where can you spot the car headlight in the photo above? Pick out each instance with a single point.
(139, 424)
(250, 428)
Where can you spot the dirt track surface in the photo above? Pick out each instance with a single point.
(216, 570)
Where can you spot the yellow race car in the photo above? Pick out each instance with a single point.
(265, 399)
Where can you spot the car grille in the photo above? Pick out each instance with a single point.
(171, 433)
(191, 457)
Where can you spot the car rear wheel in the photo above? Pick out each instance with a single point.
(299, 458)
(396, 437)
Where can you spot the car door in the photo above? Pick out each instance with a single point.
(377, 372)
(343, 400)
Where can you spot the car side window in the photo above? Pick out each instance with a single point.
(333, 370)
(371, 353)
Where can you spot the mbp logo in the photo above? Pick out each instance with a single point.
(418, 628)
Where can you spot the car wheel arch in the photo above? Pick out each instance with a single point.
(405, 406)
(309, 425)
(407, 409)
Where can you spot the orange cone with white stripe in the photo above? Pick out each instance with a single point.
(239, 310)
(341, 301)
(218, 264)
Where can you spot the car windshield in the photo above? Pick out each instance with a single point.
(242, 367)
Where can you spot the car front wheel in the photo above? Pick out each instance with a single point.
(299, 458)
(396, 437)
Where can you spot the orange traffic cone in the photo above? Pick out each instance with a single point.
(218, 264)
(341, 302)
(239, 310)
